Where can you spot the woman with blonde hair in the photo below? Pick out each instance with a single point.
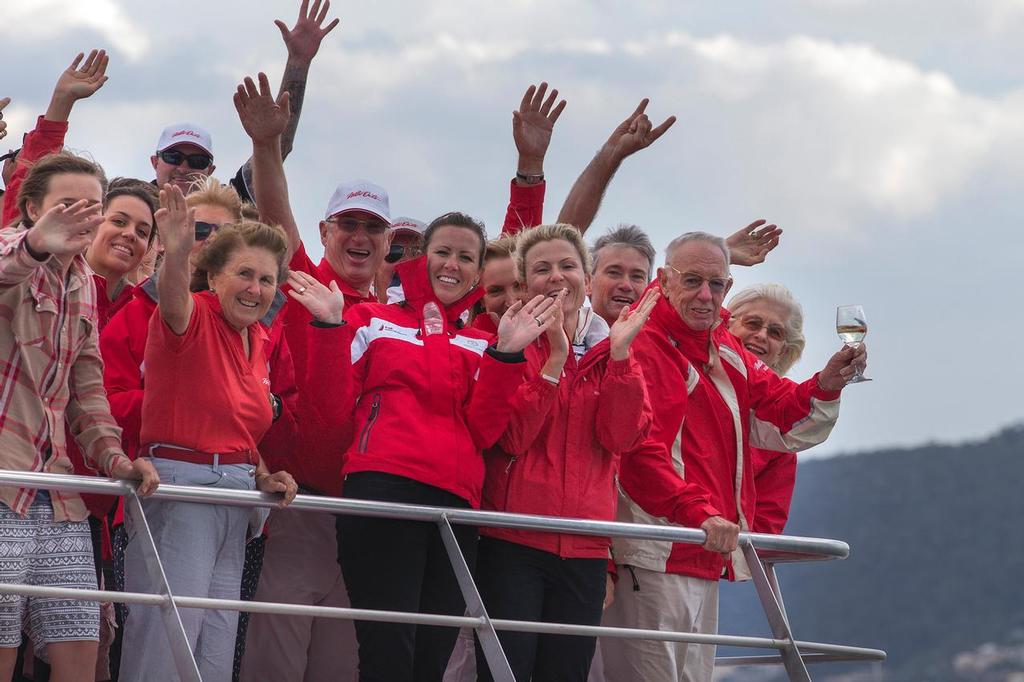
(582, 404)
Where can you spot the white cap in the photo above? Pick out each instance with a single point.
(408, 225)
(360, 195)
(185, 133)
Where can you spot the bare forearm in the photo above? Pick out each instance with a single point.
(60, 107)
(271, 188)
(586, 194)
(293, 81)
(173, 291)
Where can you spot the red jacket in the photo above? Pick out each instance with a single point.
(425, 405)
(123, 347)
(525, 208)
(733, 401)
(774, 480)
(563, 444)
(46, 138)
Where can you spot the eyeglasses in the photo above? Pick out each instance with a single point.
(692, 282)
(195, 161)
(204, 230)
(399, 251)
(350, 225)
(754, 324)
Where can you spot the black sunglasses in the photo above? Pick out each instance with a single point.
(195, 161)
(396, 252)
(13, 154)
(204, 230)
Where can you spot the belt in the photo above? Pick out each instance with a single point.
(181, 454)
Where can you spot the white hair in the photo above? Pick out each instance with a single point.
(776, 293)
(705, 237)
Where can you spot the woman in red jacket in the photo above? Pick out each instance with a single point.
(429, 395)
(582, 404)
(770, 322)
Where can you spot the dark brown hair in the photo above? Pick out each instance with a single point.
(219, 247)
(144, 191)
(37, 182)
(457, 219)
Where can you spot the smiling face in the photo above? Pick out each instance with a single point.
(554, 265)
(246, 285)
(501, 289)
(355, 243)
(761, 326)
(620, 276)
(181, 174)
(453, 262)
(123, 238)
(695, 283)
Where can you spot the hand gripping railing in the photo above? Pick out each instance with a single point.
(792, 654)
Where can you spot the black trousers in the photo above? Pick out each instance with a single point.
(521, 583)
(395, 565)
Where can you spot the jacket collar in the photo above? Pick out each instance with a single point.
(418, 290)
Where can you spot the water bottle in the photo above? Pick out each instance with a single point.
(433, 323)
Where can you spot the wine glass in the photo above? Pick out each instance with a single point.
(852, 326)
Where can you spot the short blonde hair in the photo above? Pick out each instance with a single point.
(776, 293)
(497, 249)
(527, 239)
(210, 192)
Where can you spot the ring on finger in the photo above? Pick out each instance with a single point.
(540, 322)
(302, 290)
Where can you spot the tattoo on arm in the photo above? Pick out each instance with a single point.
(294, 81)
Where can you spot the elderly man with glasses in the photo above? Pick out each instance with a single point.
(712, 400)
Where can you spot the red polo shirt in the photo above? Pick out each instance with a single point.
(202, 392)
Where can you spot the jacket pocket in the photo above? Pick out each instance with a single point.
(364, 437)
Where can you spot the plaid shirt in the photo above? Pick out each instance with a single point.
(51, 372)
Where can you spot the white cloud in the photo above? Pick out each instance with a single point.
(25, 22)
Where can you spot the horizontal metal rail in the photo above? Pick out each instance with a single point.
(794, 548)
(780, 549)
(446, 621)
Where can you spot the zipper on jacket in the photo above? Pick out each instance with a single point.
(364, 438)
(511, 461)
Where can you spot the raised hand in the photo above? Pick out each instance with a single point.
(841, 367)
(78, 83)
(752, 244)
(636, 132)
(523, 323)
(557, 340)
(3, 124)
(303, 39)
(262, 117)
(66, 230)
(326, 304)
(629, 323)
(175, 223)
(532, 126)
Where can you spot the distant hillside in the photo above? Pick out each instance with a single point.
(936, 569)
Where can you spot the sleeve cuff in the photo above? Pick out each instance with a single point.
(821, 394)
(620, 367)
(518, 356)
(46, 126)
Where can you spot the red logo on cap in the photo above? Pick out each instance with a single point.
(362, 193)
(190, 133)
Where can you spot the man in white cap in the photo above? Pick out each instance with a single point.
(184, 153)
(406, 244)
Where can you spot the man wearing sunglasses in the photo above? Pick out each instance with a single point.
(184, 154)
(406, 244)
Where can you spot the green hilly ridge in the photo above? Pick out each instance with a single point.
(935, 569)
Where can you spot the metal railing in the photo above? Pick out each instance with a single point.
(793, 654)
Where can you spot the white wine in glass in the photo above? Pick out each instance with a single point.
(852, 326)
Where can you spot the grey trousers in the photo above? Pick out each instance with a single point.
(660, 601)
(202, 549)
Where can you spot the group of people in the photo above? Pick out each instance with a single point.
(177, 330)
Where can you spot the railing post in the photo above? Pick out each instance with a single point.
(184, 661)
(501, 671)
(777, 620)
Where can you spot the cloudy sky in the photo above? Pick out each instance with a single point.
(886, 138)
